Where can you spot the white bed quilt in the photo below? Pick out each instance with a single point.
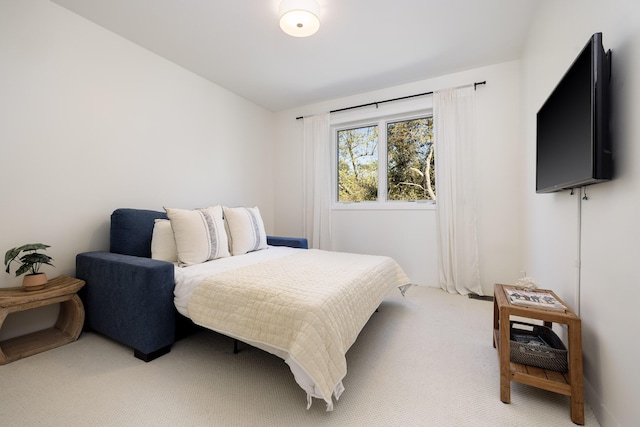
(309, 306)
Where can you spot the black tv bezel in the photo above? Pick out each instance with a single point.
(601, 160)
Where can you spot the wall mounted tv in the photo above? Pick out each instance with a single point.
(573, 146)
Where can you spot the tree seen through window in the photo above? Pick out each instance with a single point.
(409, 175)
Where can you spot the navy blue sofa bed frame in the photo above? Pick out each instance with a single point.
(128, 296)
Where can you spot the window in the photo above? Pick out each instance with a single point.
(397, 165)
(358, 164)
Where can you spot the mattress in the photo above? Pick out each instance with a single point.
(305, 306)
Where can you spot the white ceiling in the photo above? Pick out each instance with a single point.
(362, 45)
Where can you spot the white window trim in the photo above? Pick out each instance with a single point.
(379, 118)
(426, 205)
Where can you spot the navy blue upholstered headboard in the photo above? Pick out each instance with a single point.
(131, 231)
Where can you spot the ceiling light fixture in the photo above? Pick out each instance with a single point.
(299, 18)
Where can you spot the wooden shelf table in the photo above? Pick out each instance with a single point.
(63, 290)
(570, 383)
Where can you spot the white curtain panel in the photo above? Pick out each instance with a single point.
(317, 179)
(454, 128)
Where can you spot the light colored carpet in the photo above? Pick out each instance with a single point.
(423, 360)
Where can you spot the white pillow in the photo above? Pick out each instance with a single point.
(163, 244)
(200, 234)
(246, 230)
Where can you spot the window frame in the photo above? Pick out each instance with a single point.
(380, 120)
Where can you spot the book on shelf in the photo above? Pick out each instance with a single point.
(532, 340)
(535, 299)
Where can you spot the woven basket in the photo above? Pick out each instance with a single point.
(552, 356)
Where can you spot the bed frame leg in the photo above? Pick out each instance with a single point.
(235, 347)
(148, 357)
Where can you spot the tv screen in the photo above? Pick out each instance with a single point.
(572, 141)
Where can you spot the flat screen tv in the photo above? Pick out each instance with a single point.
(573, 147)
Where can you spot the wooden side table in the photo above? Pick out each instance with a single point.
(570, 383)
(63, 290)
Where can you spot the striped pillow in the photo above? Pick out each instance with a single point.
(246, 230)
(200, 234)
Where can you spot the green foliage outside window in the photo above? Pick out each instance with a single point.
(358, 164)
(411, 164)
(410, 172)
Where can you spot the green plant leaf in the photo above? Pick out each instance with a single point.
(10, 255)
(33, 247)
(23, 269)
(36, 258)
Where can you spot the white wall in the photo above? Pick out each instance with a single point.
(92, 122)
(591, 268)
(409, 235)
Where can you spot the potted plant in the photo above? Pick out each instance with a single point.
(30, 261)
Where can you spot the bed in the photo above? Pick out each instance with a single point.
(305, 306)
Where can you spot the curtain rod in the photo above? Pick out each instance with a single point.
(475, 85)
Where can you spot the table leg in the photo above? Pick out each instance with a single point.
(71, 317)
(505, 359)
(496, 319)
(3, 315)
(575, 371)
